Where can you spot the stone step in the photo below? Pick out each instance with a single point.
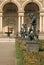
(7, 39)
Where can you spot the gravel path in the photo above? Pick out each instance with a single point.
(7, 53)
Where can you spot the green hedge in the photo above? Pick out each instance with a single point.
(18, 54)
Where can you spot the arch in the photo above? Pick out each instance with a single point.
(10, 18)
(10, 7)
(7, 1)
(30, 10)
(31, 7)
(35, 1)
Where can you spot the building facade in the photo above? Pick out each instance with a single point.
(13, 13)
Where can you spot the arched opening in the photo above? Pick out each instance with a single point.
(31, 8)
(10, 18)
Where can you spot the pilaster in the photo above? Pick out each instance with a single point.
(0, 22)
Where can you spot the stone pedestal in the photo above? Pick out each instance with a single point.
(32, 46)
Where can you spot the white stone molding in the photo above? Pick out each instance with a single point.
(41, 23)
(20, 20)
(18, 24)
(42, 14)
(0, 22)
(22, 17)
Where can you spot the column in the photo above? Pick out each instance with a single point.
(22, 19)
(18, 24)
(43, 23)
(0, 22)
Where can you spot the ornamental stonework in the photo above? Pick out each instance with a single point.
(41, 1)
(1, 1)
(21, 1)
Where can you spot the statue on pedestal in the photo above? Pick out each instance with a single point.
(30, 37)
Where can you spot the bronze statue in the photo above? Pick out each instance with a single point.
(31, 34)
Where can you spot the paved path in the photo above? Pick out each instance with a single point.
(7, 53)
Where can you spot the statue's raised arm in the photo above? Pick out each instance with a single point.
(33, 20)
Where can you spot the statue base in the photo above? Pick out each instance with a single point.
(32, 46)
